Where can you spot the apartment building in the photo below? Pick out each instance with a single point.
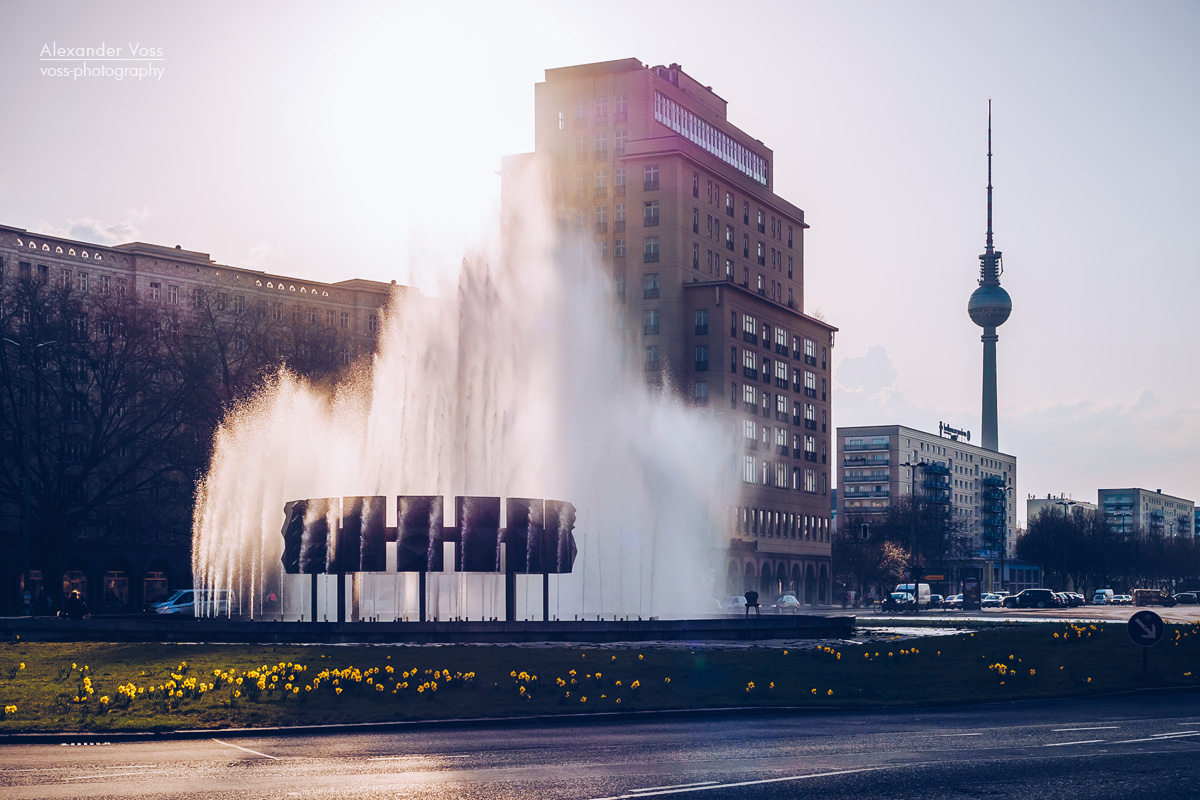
(1144, 511)
(707, 267)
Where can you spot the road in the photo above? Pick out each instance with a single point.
(1178, 614)
(1135, 745)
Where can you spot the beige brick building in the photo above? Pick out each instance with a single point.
(708, 272)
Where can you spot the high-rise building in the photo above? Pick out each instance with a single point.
(1146, 512)
(972, 485)
(1060, 504)
(707, 264)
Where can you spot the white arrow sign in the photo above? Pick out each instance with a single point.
(1146, 629)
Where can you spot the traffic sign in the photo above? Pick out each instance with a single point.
(1146, 629)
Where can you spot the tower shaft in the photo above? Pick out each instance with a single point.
(990, 439)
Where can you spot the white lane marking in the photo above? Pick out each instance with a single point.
(743, 783)
(410, 758)
(674, 786)
(959, 734)
(247, 749)
(116, 775)
(1097, 728)
(1064, 744)
(1162, 737)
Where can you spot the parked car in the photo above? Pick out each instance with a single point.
(784, 604)
(991, 600)
(1152, 597)
(1032, 598)
(936, 601)
(1077, 599)
(1103, 597)
(1122, 600)
(953, 602)
(1186, 598)
(732, 604)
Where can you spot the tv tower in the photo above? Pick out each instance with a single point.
(989, 307)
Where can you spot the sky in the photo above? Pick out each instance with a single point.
(362, 139)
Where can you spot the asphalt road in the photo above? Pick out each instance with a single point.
(1145, 745)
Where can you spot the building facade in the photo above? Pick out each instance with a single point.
(1143, 511)
(1057, 504)
(974, 486)
(707, 265)
(121, 559)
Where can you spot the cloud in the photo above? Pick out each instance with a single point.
(869, 373)
(87, 229)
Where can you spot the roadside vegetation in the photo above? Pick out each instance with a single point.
(128, 687)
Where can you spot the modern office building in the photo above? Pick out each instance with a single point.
(1147, 512)
(707, 264)
(121, 559)
(1057, 503)
(974, 486)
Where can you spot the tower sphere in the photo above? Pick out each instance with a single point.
(989, 306)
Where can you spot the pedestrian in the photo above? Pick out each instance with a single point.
(75, 607)
(27, 603)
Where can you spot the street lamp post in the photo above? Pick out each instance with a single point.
(916, 562)
(1066, 504)
(26, 434)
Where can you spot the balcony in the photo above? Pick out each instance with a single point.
(702, 330)
(650, 222)
(762, 261)
(599, 191)
(796, 419)
(620, 116)
(600, 119)
(810, 424)
(851, 461)
(649, 186)
(701, 366)
(619, 226)
(752, 338)
(650, 258)
(883, 478)
(783, 449)
(600, 155)
(649, 330)
(729, 245)
(810, 360)
(601, 227)
(750, 372)
(619, 190)
(865, 446)
(810, 457)
(781, 349)
(812, 393)
(781, 416)
(781, 383)
(650, 293)
(751, 408)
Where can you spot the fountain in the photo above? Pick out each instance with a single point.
(512, 381)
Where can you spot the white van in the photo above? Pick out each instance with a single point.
(1103, 597)
(184, 601)
(921, 592)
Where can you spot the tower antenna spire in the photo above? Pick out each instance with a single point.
(989, 186)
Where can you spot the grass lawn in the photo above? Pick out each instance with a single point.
(171, 687)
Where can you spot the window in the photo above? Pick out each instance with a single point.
(749, 329)
(650, 251)
(312, 316)
(780, 408)
(601, 145)
(810, 352)
(789, 245)
(650, 283)
(173, 295)
(650, 214)
(620, 139)
(601, 112)
(345, 320)
(702, 322)
(761, 287)
(619, 249)
(810, 480)
(155, 292)
(749, 364)
(695, 256)
(81, 282)
(729, 237)
(600, 183)
(701, 358)
(330, 316)
(729, 203)
(619, 181)
(745, 245)
(105, 283)
(580, 112)
(600, 219)
(650, 321)
(748, 469)
(695, 220)
(750, 432)
(810, 384)
(695, 185)
(602, 249)
(781, 375)
(650, 177)
(619, 285)
(652, 357)
(710, 194)
(701, 392)
(750, 398)
(581, 147)
(745, 213)
(762, 228)
(762, 254)
(620, 109)
(372, 323)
